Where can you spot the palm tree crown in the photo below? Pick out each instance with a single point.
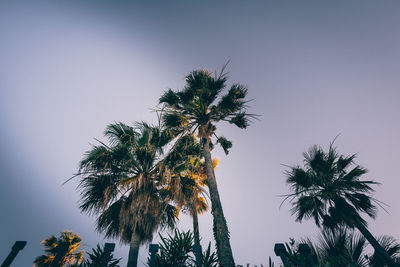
(124, 181)
(62, 249)
(329, 190)
(199, 106)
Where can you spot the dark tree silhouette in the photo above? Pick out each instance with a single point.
(339, 247)
(329, 190)
(392, 248)
(98, 256)
(177, 251)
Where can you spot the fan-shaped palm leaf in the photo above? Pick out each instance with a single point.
(391, 246)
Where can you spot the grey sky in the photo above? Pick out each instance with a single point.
(315, 69)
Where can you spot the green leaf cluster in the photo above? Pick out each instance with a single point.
(177, 251)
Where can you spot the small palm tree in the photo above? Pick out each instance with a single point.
(192, 183)
(392, 248)
(339, 247)
(60, 251)
(209, 259)
(198, 108)
(334, 248)
(343, 247)
(328, 190)
(123, 183)
(177, 251)
(96, 258)
(190, 179)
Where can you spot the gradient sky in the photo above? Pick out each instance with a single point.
(315, 69)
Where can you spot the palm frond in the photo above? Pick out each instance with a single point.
(225, 144)
(392, 248)
(97, 192)
(120, 133)
(169, 98)
(65, 247)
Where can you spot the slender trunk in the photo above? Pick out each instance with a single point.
(195, 226)
(134, 250)
(378, 248)
(221, 233)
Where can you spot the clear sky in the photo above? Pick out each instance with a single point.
(315, 69)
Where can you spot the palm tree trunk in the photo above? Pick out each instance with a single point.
(378, 248)
(221, 232)
(195, 227)
(197, 247)
(134, 250)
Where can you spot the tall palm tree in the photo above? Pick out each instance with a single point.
(197, 109)
(65, 248)
(330, 191)
(123, 183)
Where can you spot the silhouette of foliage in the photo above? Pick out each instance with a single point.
(210, 259)
(391, 246)
(328, 189)
(65, 247)
(96, 257)
(342, 247)
(177, 251)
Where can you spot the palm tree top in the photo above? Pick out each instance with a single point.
(66, 247)
(122, 181)
(201, 104)
(329, 190)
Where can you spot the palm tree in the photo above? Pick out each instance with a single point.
(177, 250)
(190, 179)
(96, 258)
(123, 183)
(328, 190)
(339, 247)
(188, 190)
(343, 247)
(198, 108)
(60, 251)
(391, 246)
(334, 248)
(192, 183)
